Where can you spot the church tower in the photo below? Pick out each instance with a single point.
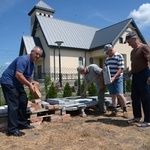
(42, 9)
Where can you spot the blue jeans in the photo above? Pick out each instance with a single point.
(140, 94)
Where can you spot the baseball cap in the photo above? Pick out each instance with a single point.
(80, 68)
(129, 36)
(107, 47)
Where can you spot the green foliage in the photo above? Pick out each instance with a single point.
(47, 83)
(106, 89)
(128, 85)
(92, 90)
(127, 82)
(67, 90)
(52, 92)
(82, 86)
(30, 96)
(2, 99)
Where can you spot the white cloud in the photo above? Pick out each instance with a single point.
(141, 16)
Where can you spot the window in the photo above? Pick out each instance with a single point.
(120, 40)
(80, 61)
(91, 60)
(39, 72)
(100, 63)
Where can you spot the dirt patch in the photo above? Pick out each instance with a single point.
(94, 132)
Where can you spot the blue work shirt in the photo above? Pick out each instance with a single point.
(93, 75)
(21, 64)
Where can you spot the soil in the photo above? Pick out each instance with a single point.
(93, 132)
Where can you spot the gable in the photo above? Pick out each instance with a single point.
(27, 44)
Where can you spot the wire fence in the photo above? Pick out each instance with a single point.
(69, 75)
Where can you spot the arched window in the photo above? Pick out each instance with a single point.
(91, 60)
(80, 61)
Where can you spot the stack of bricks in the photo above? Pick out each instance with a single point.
(39, 112)
(51, 113)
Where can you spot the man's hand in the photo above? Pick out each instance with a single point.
(113, 79)
(31, 88)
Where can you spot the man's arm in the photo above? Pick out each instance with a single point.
(85, 89)
(20, 77)
(117, 74)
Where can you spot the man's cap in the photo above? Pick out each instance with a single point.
(107, 47)
(80, 68)
(129, 36)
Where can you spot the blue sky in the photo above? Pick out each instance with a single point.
(15, 22)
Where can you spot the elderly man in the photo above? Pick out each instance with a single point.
(93, 73)
(115, 61)
(140, 90)
(17, 74)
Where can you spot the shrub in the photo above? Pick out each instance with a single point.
(92, 90)
(52, 92)
(47, 83)
(82, 86)
(67, 90)
(30, 96)
(128, 85)
(127, 82)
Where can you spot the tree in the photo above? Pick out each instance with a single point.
(52, 92)
(92, 90)
(67, 90)
(47, 83)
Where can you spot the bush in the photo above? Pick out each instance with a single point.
(30, 96)
(52, 92)
(127, 82)
(47, 83)
(128, 85)
(92, 90)
(67, 90)
(82, 86)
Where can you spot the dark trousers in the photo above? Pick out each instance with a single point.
(16, 100)
(101, 100)
(140, 94)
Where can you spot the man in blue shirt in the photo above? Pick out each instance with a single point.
(93, 73)
(13, 79)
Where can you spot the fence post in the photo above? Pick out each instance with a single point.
(79, 89)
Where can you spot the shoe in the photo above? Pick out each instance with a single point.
(27, 126)
(100, 112)
(134, 120)
(16, 133)
(143, 124)
(125, 114)
(113, 114)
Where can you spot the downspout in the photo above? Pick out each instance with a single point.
(85, 57)
(54, 65)
(44, 65)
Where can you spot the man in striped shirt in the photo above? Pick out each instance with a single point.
(115, 61)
